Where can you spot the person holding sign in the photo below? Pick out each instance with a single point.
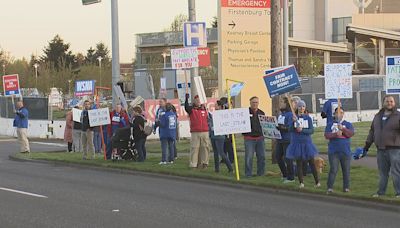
(200, 141)
(254, 141)
(385, 133)
(218, 142)
(339, 133)
(68, 130)
(119, 119)
(21, 123)
(301, 147)
(87, 132)
(77, 134)
(285, 165)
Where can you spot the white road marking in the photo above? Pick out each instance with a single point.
(23, 193)
(50, 144)
(8, 140)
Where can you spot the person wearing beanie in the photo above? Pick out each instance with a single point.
(301, 147)
(339, 132)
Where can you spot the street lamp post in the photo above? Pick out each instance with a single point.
(99, 59)
(36, 71)
(4, 69)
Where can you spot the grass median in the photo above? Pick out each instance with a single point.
(363, 180)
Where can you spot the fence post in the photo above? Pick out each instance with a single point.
(314, 103)
(358, 101)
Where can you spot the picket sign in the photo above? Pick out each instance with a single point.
(99, 117)
(231, 121)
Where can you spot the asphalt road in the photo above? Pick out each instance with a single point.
(74, 197)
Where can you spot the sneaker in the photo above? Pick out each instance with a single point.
(317, 185)
(171, 162)
(346, 190)
(205, 166)
(330, 191)
(376, 195)
(162, 163)
(301, 185)
(286, 181)
(397, 196)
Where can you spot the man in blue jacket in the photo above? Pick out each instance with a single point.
(21, 123)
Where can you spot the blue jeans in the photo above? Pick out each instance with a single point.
(285, 165)
(97, 141)
(170, 145)
(251, 147)
(334, 160)
(218, 148)
(389, 161)
(140, 148)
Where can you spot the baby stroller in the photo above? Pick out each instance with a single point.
(123, 145)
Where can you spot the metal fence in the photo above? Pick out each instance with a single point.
(361, 101)
(37, 107)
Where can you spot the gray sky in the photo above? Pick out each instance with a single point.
(27, 25)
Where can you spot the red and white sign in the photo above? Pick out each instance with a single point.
(204, 57)
(11, 85)
(246, 3)
(151, 107)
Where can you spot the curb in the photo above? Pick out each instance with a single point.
(359, 202)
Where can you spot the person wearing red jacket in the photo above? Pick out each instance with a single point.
(200, 141)
(119, 119)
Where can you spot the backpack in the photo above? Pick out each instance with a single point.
(148, 127)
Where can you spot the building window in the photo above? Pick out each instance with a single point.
(339, 29)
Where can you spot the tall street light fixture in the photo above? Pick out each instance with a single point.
(99, 59)
(36, 71)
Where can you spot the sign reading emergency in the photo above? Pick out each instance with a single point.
(244, 46)
(84, 88)
(184, 58)
(11, 85)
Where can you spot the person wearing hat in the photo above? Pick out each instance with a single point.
(301, 147)
(200, 141)
(328, 110)
(339, 132)
(138, 132)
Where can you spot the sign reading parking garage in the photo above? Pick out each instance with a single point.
(282, 81)
(194, 34)
(84, 88)
(393, 75)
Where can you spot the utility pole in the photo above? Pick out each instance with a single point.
(99, 59)
(194, 71)
(276, 54)
(115, 49)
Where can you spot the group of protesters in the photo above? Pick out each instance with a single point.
(294, 152)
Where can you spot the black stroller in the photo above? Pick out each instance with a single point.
(123, 145)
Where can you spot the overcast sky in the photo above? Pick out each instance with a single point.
(27, 25)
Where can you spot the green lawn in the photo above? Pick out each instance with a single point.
(358, 140)
(363, 180)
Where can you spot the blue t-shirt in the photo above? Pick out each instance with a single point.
(284, 119)
(168, 125)
(340, 144)
(329, 108)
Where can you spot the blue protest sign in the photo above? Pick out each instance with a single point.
(236, 88)
(84, 88)
(282, 81)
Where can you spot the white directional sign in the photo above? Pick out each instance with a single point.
(194, 34)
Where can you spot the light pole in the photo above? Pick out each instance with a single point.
(99, 59)
(4, 69)
(194, 71)
(69, 87)
(36, 67)
(115, 48)
(164, 55)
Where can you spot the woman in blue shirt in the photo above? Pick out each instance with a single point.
(301, 147)
(339, 133)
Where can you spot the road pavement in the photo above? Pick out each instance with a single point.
(43, 195)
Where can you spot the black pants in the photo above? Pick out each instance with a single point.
(285, 165)
(228, 149)
(300, 170)
(69, 146)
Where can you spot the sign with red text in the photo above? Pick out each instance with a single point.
(151, 107)
(11, 85)
(184, 58)
(204, 57)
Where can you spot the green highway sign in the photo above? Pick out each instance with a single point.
(88, 2)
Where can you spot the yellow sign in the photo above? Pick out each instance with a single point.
(244, 47)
